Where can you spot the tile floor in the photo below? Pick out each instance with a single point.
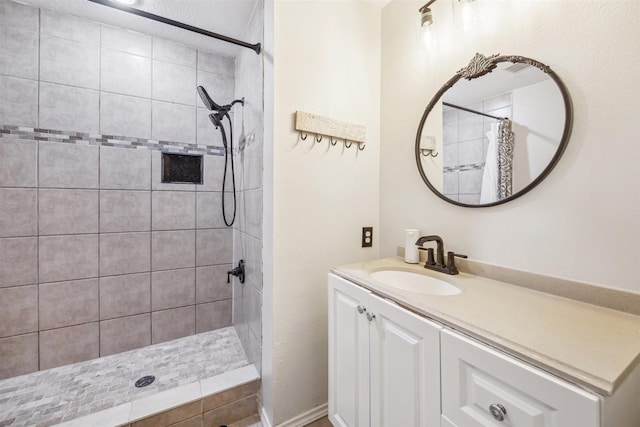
(46, 398)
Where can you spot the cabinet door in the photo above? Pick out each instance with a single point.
(348, 354)
(405, 367)
(476, 379)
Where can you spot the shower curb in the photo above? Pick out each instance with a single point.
(215, 399)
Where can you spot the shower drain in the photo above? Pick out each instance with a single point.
(145, 381)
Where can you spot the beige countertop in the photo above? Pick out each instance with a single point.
(589, 345)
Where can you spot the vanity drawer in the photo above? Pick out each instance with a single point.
(477, 378)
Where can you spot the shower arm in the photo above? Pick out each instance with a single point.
(237, 101)
(255, 47)
(224, 112)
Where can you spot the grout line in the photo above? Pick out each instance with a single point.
(38, 82)
(99, 88)
(151, 96)
(99, 234)
(195, 249)
(38, 192)
(54, 83)
(98, 320)
(177, 230)
(151, 189)
(120, 274)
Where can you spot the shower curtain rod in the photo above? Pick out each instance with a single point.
(255, 47)
(473, 111)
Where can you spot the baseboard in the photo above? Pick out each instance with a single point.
(264, 418)
(306, 417)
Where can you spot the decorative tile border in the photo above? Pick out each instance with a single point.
(83, 138)
(462, 168)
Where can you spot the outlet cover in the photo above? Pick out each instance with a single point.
(367, 237)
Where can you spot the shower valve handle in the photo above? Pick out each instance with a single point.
(237, 271)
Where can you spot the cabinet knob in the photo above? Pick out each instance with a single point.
(498, 411)
(370, 317)
(361, 309)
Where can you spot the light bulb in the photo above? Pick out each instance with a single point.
(426, 17)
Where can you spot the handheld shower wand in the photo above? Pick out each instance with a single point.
(219, 113)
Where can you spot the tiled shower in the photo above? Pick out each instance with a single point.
(247, 237)
(465, 146)
(97, 255)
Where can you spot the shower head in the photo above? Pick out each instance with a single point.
(216, 119)
(212, 106)
(208, 102)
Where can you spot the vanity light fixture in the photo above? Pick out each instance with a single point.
(426, 17)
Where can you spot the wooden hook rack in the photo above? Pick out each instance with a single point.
(335, 130)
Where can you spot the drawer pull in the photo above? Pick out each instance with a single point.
(370, 317)
(361, 309)
(498, 411)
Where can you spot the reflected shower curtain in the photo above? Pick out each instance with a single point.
(505, 159)
(489, 190)
(497, 178)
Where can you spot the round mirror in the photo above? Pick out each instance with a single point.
(494, 131)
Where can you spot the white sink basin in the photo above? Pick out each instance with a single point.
(413, 282)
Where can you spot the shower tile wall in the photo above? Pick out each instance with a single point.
(465, 146)
(247, 313)
(97, 256)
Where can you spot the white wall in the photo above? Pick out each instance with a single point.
(538, 121)
(433, 166)
(267, 216)
(327, 62)
(582, 222)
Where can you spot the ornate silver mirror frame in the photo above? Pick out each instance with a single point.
(478, 67)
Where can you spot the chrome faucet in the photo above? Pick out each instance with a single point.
(438, 264)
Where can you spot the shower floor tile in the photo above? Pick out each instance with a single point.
(46, 398)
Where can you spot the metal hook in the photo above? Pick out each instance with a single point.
(318, 138)
(361, 146)
(347, 146)
(333, 141)
(303, 136)
(428, 152)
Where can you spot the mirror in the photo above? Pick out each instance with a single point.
(493, 131)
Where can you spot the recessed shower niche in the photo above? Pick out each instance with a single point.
(181, 168)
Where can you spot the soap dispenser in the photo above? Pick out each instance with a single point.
(411, 255)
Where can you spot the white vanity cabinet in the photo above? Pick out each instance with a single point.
(575, 365)
(483, 387)
(384, 362)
